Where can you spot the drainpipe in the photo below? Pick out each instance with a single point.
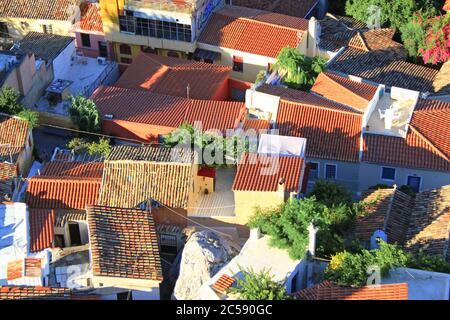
(312, 240)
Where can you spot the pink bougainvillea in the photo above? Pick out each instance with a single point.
(437, 40)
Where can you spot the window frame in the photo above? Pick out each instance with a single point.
(84, 37)
(414, 176)
(335, 171)
(238, 64)
(318, 171)
(127, 53)
(387, 179)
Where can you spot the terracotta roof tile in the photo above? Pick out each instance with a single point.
(264, 173)
(223, 283)
(41, 9)
(390, 212)
(256, 124)
(33, 293)
(130, 183)
(425, 117)
(446, 5)
(150, 153)
(42, 222)
(343, 90)
(413, 151)
(14, 270)
(90, 18)
(330, 291)
(262, 34)
(73, 170)
(331, 134)
(13, 137)
(171, 76)
(141, 106)
(381, 67)
(65, 185)
(124, 243)
(288, 7)
(430, 223)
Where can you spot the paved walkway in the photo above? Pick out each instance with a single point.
(221, 202)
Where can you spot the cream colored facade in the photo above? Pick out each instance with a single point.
(246, 203)
(253, 63)
(19, 27)
(111, 285)
(194, 16)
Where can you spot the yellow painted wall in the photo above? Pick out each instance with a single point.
(110, 16)
(246, 203)
(18, 27)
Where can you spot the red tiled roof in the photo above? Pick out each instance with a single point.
(262, 34)
(42, 222)
(343, 90)
(265, 172)
(256, 124)
(171, 76)
(41, 9)
(90, 19)
(134, 253)
(330, 133)
(303, 97)
(223, 283)
(289, 7)
(206, 172)
(28, 267)
(33, 293)
(14, 270)
(430, 223)
(388, 210)
(413, 151)
(51, 193)
(380, 67)
(73, 170)
(13, 137)
(426, 115)
(141, 106)
(330, 291)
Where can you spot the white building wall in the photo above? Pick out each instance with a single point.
(61, 63)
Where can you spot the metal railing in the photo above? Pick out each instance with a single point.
(163, 5)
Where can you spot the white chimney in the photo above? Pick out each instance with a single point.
(314, 30)
(312, 239)
(255, 234)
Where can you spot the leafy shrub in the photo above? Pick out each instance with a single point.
(408, 190)
(300, 71)
(258, 286)
(85, 114)
(32, 117)
(350, 269)
(288, 225)
(10, 101)
(331, 193)
(428, 262)
(100, 148)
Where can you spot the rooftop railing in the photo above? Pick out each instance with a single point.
(164, 5)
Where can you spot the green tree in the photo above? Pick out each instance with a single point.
(351, 269)
(288, 225)
(85, 114)
(427, 262)
(258, 286)
(99, 148)
(10, 101)
(413, 35)
(330, 193)
(298, 70)
(32, 117)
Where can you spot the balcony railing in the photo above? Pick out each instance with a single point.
(163, 5)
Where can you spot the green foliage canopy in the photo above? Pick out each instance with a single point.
(99, 148)
(10, 101)
(85, 114)
(300, 71)
(258, 286)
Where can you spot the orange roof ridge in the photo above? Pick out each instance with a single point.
(416, 131)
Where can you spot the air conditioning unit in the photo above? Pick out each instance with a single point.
(108, 116)
(101, 60)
